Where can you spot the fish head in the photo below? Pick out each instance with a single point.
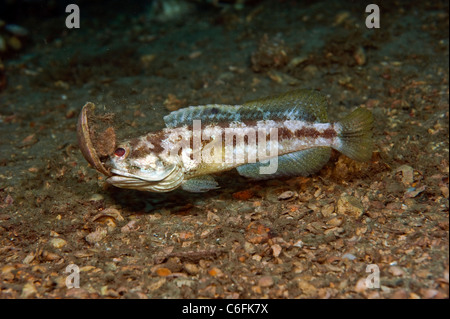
(145, 171)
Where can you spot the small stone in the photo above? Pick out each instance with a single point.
(70, 113)
(211, 217)
(413, 192)
(350, 206)
(286, 195)
(16, 30)
(131, 226)
(58, 242)
(429, 293)
(96, 236)
(195, 54)
(361, 285)
(396, 271)
(298, 243)
(96, 197)
(215, 272)
(298, 60)
(8, 200)
(29, 258)
(407, 173)
(156, 284)
(360, 56)
(191, 269)
(243, 195)
(335, 222)
(306, 287)
(249, 248)
(327, 210)
(163, 272)
(49, 256)
(29, 141)
(78, 293)
(28, 290)
(276, 250)
(265, 281)
(349, 256)
(399, 294)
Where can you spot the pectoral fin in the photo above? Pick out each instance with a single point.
(200, 184)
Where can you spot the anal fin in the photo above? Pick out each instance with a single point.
(301, 163)
(200, 184)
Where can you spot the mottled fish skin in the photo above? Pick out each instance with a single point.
(163, 161)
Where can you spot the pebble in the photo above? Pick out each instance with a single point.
(28, 290)
(361, 285)
(17, 30)
(29, 258)
(360, 56)
(286, 195)
(298, 243)
(276, 250)
(29, 140)
(334, 222)
(215, 272)
(131, 226)
(399, 294)
(350, 206)
(413, 192)
(243, 195)
(349, 256)
(328, 210)
(298, 60)
(396, 271)
(71, 113)
(249, 248)
(191, 269)
(163, 272)
(407, 174)
(265, 281)
(96, 236)
(58, 242)
(96, 197)
(49, 256)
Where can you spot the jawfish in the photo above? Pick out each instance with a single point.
(273, 137)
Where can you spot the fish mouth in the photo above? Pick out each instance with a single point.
(164, 181)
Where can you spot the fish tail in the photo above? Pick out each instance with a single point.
(355, 135)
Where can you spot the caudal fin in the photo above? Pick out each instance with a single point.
(355, 136)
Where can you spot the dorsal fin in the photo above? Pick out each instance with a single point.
(304, 104)
(211, 113)
(307, 105)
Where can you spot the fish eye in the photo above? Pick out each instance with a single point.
(120, 151)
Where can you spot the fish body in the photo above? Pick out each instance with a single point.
(284, 135)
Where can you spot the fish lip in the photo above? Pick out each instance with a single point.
(120, 173)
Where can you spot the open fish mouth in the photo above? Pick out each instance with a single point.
(163, 181)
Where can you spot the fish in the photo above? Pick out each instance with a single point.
(279, 136)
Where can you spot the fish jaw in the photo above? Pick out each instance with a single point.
(151, 181)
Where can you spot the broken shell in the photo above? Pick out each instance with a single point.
(84, 140)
